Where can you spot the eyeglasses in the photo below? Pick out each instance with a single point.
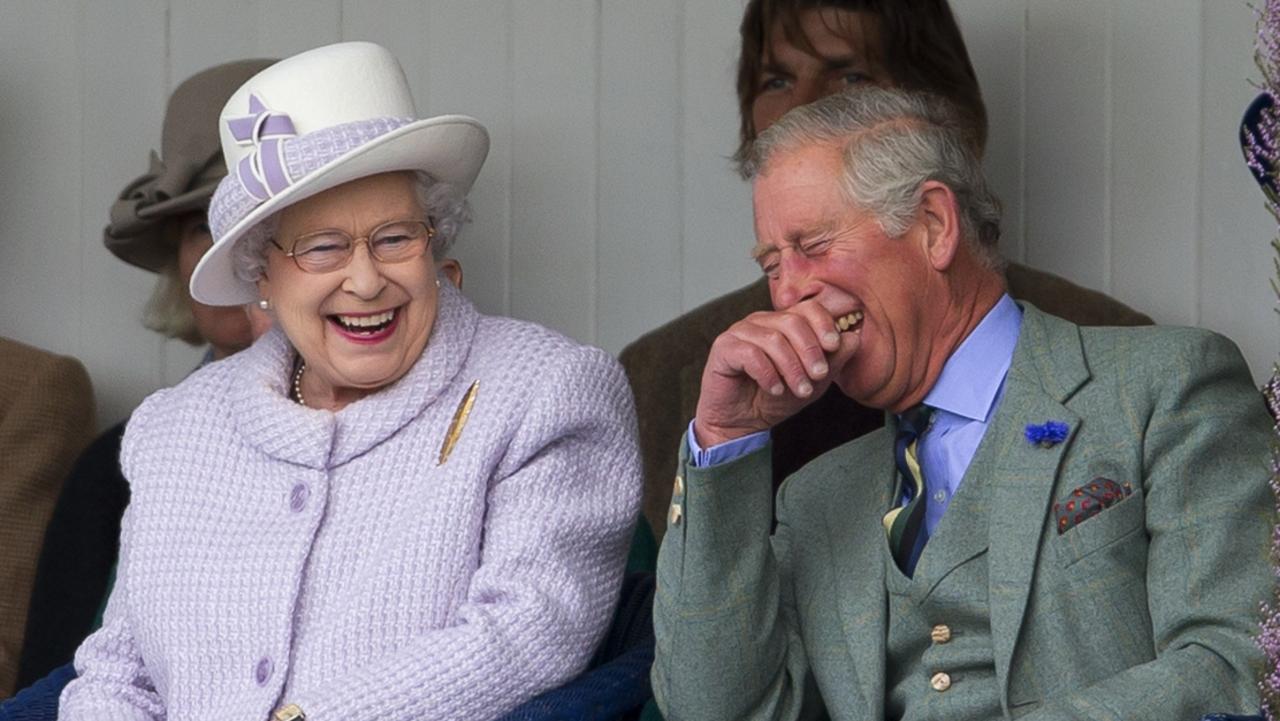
(328, 250)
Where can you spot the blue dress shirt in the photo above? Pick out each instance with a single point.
(964, 398)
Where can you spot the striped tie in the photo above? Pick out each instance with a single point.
(905, 524)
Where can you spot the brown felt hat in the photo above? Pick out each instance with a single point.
(184, 175)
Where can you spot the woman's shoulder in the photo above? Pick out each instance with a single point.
(206, 391)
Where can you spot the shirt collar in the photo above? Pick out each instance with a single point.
(971, 378)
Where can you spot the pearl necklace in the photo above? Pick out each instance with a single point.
(297, 384)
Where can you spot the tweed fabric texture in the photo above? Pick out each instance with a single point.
(949, 588)
(665, 365)
(46, 417)
(303, 155)
(1145, 612)
(275, 554)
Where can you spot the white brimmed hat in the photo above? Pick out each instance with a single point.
(315, 121)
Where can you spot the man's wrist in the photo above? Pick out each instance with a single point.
(703, 456)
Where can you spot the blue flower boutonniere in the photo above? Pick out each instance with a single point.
(1047, 434)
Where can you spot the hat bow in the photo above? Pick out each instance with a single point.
(262, 172)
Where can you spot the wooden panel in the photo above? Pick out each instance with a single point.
(717, 213)
(1235, 259)
(41, 152)
(123, 100)
(995, 34)
(468, 48)
(288, 27)
(400, 26)
(203, 33)
(1154, 193)
(554, 81)
(1067, 138)
(640, 204)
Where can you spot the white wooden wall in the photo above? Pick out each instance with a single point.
(608, 204)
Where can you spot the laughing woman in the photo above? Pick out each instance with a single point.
(391, 506)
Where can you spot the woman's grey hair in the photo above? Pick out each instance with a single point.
(441, 202)
(893, 141)
(168, 310)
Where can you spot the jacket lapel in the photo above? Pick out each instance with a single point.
(856, 538)
(1048, 367)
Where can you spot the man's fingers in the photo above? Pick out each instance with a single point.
(792, 344)
(757, 364)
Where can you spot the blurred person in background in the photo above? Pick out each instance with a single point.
(159, 224)
(46, 416)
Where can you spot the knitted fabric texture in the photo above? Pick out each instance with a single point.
(303, 155)
(275, 554)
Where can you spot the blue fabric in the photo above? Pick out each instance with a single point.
(964, 398)
(724, 452)
(617, 686)
(1230, 717)
(39, 701)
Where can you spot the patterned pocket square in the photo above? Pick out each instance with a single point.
(1088, 501)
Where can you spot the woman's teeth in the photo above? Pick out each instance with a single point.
(847, 322)
(366, 323)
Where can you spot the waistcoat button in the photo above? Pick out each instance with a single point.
(940, 682)
(940, 633)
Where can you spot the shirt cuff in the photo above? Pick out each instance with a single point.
(724, 452)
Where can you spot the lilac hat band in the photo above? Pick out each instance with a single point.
(282, 158)
(262, 172)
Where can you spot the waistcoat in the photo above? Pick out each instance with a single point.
(940, 659)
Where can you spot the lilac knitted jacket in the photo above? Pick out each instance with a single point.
(273, 554)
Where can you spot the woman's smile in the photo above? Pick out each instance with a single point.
(366, 328)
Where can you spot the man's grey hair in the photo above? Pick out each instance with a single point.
(441, 202)
(892, 142)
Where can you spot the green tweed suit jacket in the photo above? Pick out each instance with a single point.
(1145, 611)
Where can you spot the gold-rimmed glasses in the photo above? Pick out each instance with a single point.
(328, 250)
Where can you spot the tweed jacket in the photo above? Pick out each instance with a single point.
(1145, 611)
(46, 417)
(665, 370)
(274, 554)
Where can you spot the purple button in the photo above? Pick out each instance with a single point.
(262, 672)
(298, 497)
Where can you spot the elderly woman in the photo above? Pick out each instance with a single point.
(390, 506)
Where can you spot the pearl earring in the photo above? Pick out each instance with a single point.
(264, 304)
(437, 282)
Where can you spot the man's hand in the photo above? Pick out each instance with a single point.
(766, 367)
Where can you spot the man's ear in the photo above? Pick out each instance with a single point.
(939, 215)
(452, 270)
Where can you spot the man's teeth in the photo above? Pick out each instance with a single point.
(367, 321)
(846, 322)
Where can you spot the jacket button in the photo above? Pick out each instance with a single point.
(940, 682)
(679, 486)
(262, 672)
(675, 514)
(298, 497)
(940, 633)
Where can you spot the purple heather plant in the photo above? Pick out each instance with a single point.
(1262, 154)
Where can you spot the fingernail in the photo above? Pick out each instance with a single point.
(832, 338)
(777, 390)
(819, 368)
(805, 389)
